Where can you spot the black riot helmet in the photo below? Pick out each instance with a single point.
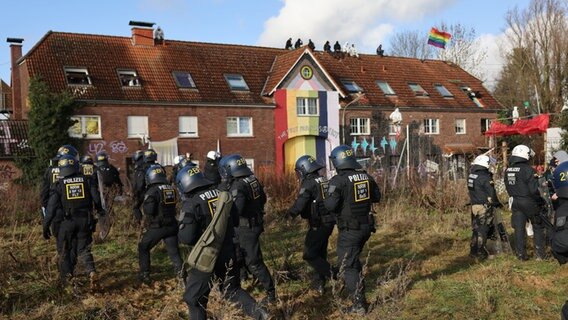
(190, 178)
(138, 155)
(234, 166)
(307, 164)
(150, 156)
(156, 174)
(86, 159)
(343, 157)
(68, 165)
(102, 158)
(68, 149)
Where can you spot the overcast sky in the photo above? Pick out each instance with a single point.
(366, 23)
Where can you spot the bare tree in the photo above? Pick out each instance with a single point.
(411, 44)
(463, 49)
(541, 32)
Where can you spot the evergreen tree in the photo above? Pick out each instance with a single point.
(49, 120)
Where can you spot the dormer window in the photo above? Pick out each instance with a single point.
(77, 76)
(184, 80)
(417, 89)
(236, 82)
(351, 86)
(129, 78)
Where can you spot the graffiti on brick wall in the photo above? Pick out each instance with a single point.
(115, 146)
(7, 172)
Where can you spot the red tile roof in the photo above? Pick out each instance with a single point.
(261, 67)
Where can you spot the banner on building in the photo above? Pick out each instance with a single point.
(538, 124)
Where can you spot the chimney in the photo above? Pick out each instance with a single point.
(142, 33)
(15, 80)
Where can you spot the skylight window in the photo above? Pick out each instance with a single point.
(129, 78)
(443, 91)
(78, 76)
(417, 89)
(184, 79)
(351, 86)
(386, 88)
(236, 82)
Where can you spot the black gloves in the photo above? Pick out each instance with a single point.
(46, 232)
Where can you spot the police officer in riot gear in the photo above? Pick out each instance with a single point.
(160, 223)
(139, 186)
(309, 205)
(351, 194)
(211, 167)
(49, 178)
(249, 199)
(483, 198)
(559, 241)
(522, 185)
(76, 196)
(198, 208)
(176, 167)
(50, 175)
(108, 173)
(87, 166)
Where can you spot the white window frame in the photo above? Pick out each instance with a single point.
(239, 133)
(83, 71)
(303, 107)
(360, 126)
(235, 84)
(431, 126)
(485, 124)
(129, 75)
(385, 88)
(191, 131)
(82, 121)
(250, 163)
(137, 133)
(461, 128)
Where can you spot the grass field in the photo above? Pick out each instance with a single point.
(416, 265)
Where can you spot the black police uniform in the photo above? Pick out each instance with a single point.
(75, 196)
(139, 188)
(198, 208)
(309, 205)
(211, 171)
(351, 194)
(522, 184)
(160, 224)
(110, 176)
(249, 199)
(49, 179)
(88, 169)
(481, 191)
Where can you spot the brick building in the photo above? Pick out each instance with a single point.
(270, 105)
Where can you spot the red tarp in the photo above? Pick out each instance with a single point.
(538, 124)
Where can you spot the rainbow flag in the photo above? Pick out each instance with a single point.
(438, 38)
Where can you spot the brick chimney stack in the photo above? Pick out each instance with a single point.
(142, 33)
(15, 80)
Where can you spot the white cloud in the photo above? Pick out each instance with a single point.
(363, 22)
(497, 47)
